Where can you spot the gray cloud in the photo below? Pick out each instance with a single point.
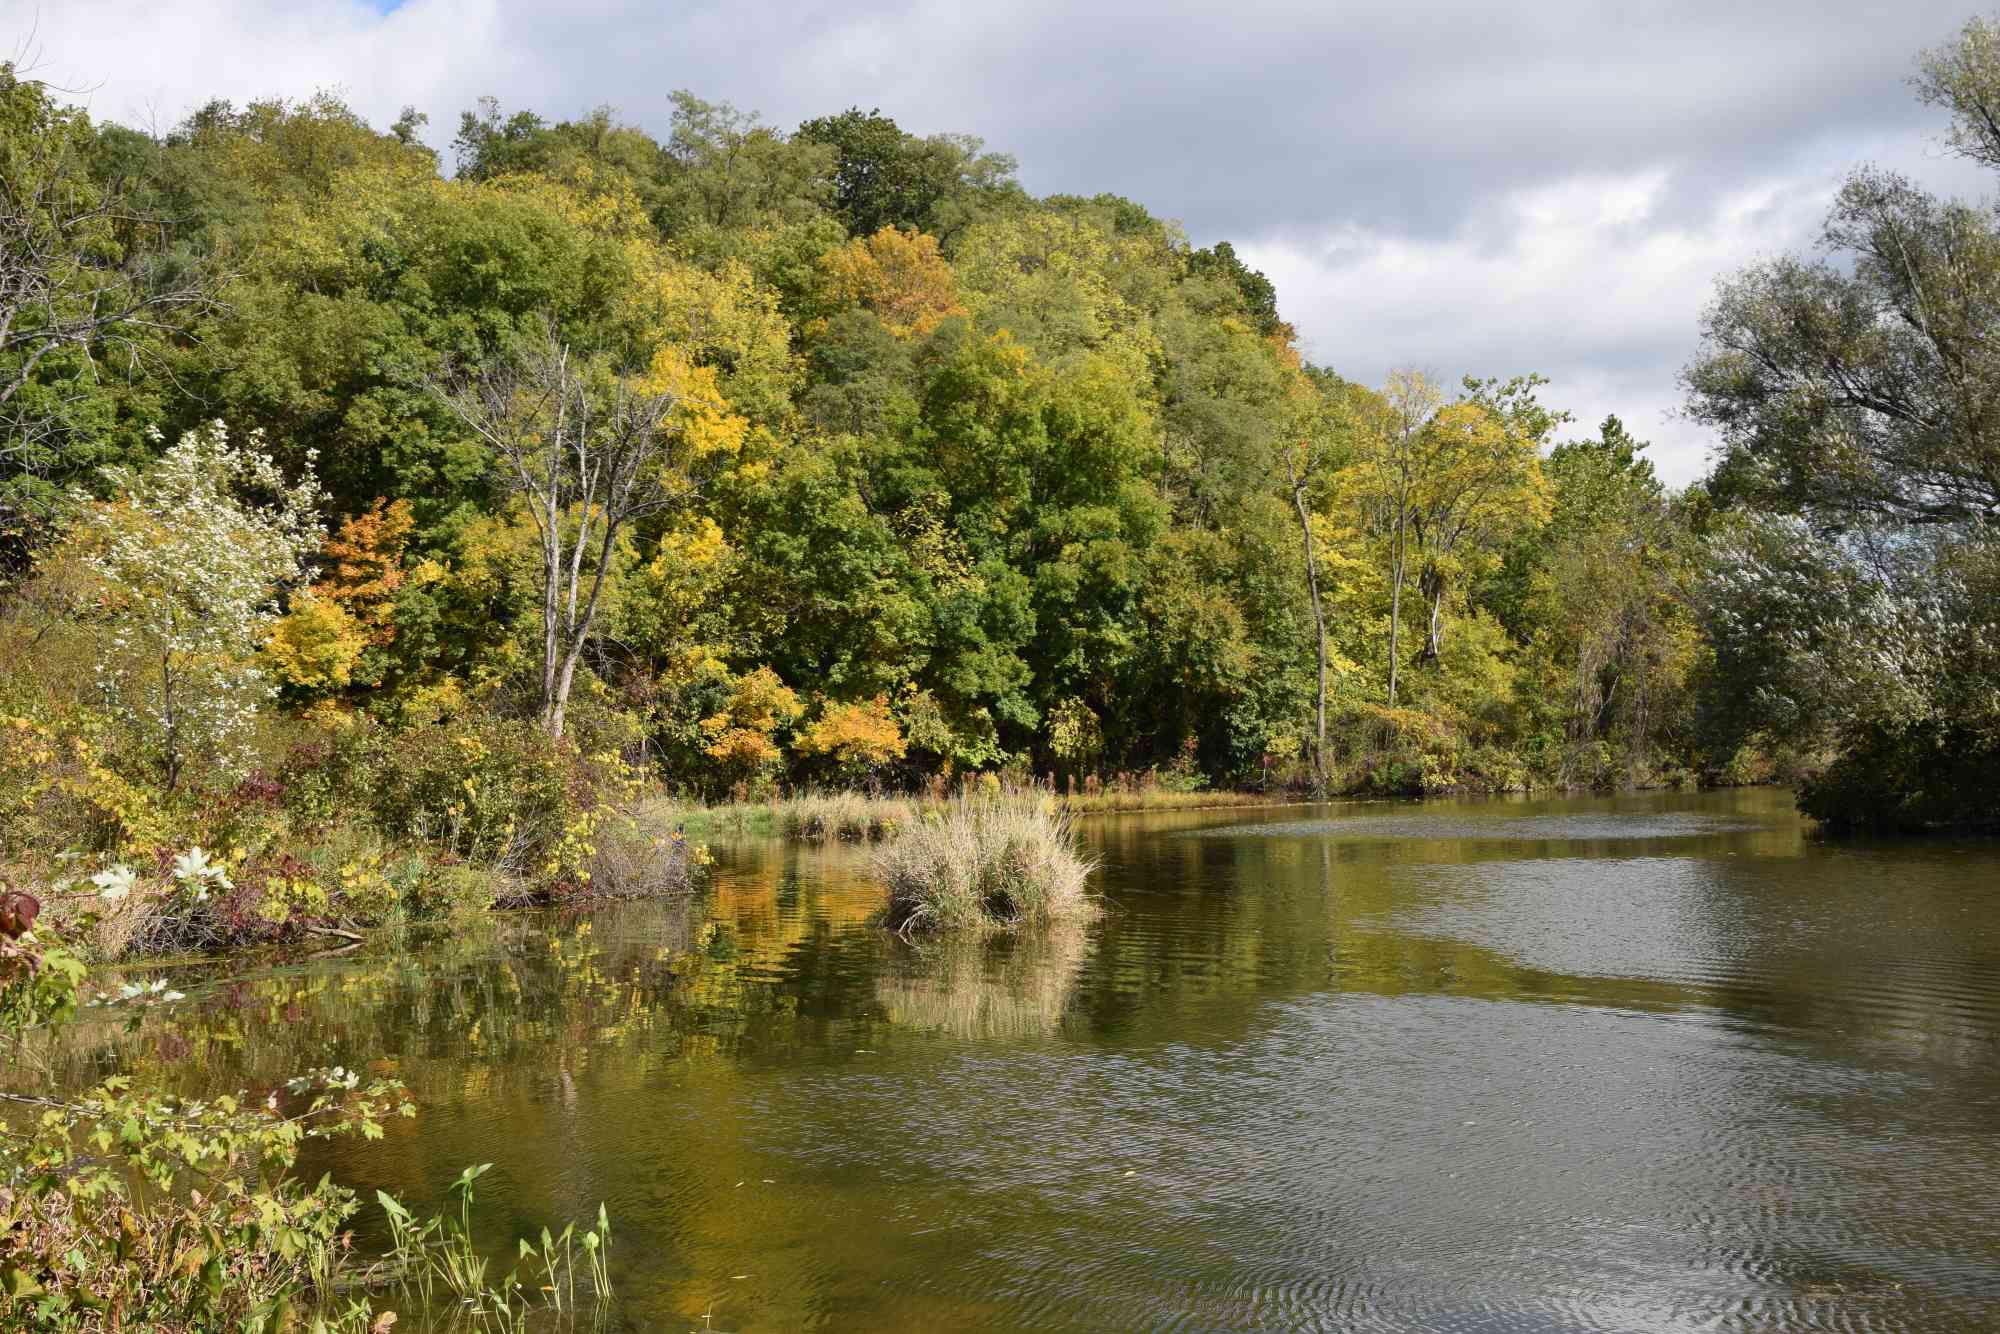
(1403, 170)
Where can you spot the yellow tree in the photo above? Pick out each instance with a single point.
(364, 566)
(898, 275)
(1047, 279)
(1384, 480)
(860, 737)
(316, 645)
(741, 735)
(1476, 481)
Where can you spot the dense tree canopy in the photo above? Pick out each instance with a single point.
(945, 477)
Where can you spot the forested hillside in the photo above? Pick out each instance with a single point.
(745, 457)
(950, 478)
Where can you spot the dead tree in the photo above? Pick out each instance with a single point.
(590, 452)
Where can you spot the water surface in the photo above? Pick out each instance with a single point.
(1650, 1063)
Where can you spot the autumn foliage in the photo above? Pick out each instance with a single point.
(901, 276)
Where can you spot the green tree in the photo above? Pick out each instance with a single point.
(1855, 394)
(885, 177)
(1260, 297)
(88, 296)
(1601, 599)
(1479, 481)
(722, 168)
(1860, 386)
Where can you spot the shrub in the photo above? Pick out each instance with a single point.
(626, 860)
(58, 789)
(192, 560)
(1917, 779)
(482, 789)
(982, 864)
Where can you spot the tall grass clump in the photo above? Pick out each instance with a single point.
(821, 817)
(980, 864)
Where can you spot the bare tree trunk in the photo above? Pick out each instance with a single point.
(170, 716)
(1414, 402)
(1433, 585)
(1319, 626)
(1396, 608)
(579, 626)
(551, 619)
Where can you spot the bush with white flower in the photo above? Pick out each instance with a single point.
(194, 553)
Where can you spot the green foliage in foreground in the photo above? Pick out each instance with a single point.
(124, 1207)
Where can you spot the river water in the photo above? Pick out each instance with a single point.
(1663, 1062)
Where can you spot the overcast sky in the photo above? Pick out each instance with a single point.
(1468, 186)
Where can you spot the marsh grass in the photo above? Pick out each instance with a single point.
(808, 817)
(848, 816)
(983, 864)
(1113, 801)
(853, 817)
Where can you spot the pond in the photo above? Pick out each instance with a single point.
(1657, 1062)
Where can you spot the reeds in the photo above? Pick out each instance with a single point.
(980, 864)
(1123, 800)
(434, 1260)
(822, 817)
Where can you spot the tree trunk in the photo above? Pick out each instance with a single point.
(1396, 612)
(1319, 632)
(170, 717)
(1433, 585)
(551, 619)
(572, 450)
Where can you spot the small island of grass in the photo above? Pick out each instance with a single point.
(984, 865)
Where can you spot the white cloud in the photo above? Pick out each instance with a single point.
(149, 64)
(1597, 283)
